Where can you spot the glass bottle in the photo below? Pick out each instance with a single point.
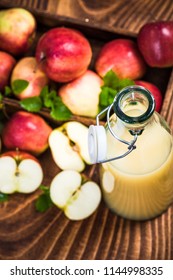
(135, 152)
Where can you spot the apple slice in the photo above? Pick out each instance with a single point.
(69, 146)
(81, 95)
(20, 172)
(78, 200)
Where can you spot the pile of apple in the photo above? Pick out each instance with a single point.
(63, 56)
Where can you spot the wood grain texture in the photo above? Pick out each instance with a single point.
(27, 234)
(125, 15)
(121, 15)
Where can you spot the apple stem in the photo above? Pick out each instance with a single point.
(42, 59)
(92, 171)
(18, 158)
(35, 69)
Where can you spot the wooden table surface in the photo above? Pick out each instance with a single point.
(26, 234)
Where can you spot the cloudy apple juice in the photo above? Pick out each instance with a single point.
(139, 186)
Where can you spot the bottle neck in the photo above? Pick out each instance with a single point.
(134, 106)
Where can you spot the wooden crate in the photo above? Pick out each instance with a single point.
(27, 234)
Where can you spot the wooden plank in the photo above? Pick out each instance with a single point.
(124, 15)
(167, 108)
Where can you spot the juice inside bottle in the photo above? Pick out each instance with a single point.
(139, 186)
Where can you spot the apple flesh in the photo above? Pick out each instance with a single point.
(123, 57)
(155, 91)
(78, 200)
(69, 146)
(27, 69)
(26, 131)
(155, 42)
(20, 172)
(7, 63)
(17, 30)
(64, 53)
(81, 95)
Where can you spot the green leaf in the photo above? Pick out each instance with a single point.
(125, 83)
(112, 85)
(50, 99)
(1, 97)
(8, 91)
(106, 97)
(60, 111)
(44, 201)
(44, 92)
(31, 104)
(110, 79)
(3, 197)
(19, 85)
(44, 188)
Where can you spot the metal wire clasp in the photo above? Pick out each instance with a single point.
(131, 144)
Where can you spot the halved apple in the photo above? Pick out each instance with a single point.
(19, 172)
(77, 199)
(69, 146)
(81, 95)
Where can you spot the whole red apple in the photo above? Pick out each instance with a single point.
(121, 56)
(64, 53)
(155, 91)
(26, 131)
(20, 172)
(7, 63)
(155, 41)
(17, 30)
(81, 95)
(28, 69)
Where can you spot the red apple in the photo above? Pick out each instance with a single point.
(64, 53)
(17, 30)
(26, 131)
(7, 63)
(123, 57)
(155, 91)
(28, 69)
(20, 172)
(155, 41)
(81, 95)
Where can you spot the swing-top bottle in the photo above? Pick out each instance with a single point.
(135, 155)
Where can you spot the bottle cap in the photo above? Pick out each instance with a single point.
(97, 143)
